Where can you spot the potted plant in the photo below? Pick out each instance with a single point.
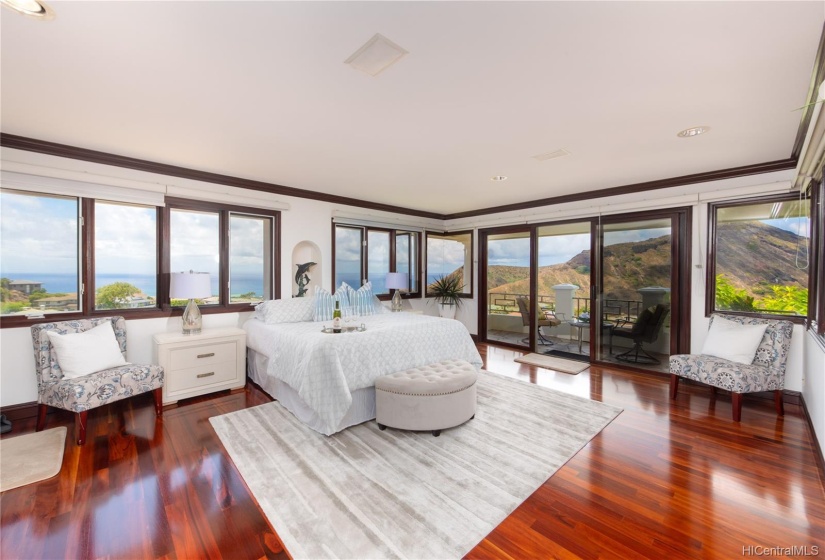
(447, 290)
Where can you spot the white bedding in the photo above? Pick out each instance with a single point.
(325, 368)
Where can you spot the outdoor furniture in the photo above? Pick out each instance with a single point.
(430, 398)
(82, 393)
(765, 373)
(581, 326)
(645, 329)
(549, 320)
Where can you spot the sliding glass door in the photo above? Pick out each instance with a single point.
(609, 290)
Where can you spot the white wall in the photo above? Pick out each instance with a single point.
(813, 386)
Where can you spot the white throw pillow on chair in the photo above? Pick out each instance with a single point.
(733, 341)
(86, 352)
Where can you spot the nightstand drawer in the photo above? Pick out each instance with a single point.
(205, 354)
(201, 375)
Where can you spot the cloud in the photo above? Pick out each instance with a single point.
(125, 239)
(444, 255)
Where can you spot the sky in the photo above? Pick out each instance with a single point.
(125, 238)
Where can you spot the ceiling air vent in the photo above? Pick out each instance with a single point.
(552, 155)
(377, 54)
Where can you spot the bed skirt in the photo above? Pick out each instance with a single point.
(361, 410)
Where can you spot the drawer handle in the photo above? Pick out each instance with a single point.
(200, 375)
(206, 355)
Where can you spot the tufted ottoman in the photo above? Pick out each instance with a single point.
(432, 397)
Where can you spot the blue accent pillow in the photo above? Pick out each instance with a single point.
(325, 303)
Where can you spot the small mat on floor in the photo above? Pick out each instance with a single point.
(554, 363)
(31, 458)
(364, 493)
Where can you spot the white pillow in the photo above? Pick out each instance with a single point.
(733, 341)
(83, 353)
(292, 310)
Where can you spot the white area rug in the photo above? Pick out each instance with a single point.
(364, 493)
(31, 458)
(554, 363)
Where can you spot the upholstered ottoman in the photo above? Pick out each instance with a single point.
(430, 398)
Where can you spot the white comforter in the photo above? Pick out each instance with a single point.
(325, 368)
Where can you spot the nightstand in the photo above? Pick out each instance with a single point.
(202, 363)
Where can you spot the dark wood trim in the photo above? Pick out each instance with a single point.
(817, 76)
(19, 411)
(816, 288)
(743, 171)
(710, 277)
(94, 156)
(817, 449)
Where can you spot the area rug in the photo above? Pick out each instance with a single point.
(554, 363)
(364, 493)
(31, 457)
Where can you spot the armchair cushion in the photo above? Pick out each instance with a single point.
(86, 352)
(725, 374)
(103, 387)
(733, 341)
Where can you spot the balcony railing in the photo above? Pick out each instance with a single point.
(626, 309)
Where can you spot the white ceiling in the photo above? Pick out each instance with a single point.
(259, 90)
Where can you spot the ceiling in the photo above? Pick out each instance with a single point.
(259, 90)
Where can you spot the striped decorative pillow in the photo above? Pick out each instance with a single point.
(325, 303)
(364, 300)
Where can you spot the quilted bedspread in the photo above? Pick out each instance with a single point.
(324, 368)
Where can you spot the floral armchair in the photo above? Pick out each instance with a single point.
(765, 373)
(80, 394)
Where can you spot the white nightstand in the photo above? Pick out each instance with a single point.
(202, 363)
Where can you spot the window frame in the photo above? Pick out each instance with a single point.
(86, 268)
(816, 280)
(442, 234)
(710, 277)
(365, 253)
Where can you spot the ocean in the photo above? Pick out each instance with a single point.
(146, 283)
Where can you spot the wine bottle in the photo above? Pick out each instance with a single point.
(336, 318)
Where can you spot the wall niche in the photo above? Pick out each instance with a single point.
(306, 252)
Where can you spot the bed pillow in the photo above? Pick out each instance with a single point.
(365, 301)
(733, 341)
(345, 288)
(325, 303)
(80, 354)
(293, 310)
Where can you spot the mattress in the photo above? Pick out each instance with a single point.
(326, 370)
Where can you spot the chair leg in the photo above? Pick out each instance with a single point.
(674, 385)
(736, 405)
(780, 406)
(41, 417)
(80, 425)
(158, 396)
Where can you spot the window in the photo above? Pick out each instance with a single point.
(235, 245)
(250, 263)
(371, 253)
(817, 309)
(39, 256)
(81, 256)
(126, 255)
(194, 245)
(759, 257)
(451, 254)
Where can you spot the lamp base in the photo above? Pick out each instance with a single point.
(192, 319)
(396, 301)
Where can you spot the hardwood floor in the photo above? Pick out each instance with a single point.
(675, 479)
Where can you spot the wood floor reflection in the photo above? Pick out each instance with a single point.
(675, 479)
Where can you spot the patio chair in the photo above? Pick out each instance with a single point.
(645, 329)
(549, 320)
(82, 393)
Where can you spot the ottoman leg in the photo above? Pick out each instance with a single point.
(382, 427)
(436, 433)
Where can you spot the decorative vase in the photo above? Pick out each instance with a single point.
(447, 310)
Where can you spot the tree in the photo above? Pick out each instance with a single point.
(114, 296)
(4, 283)
(788, 299)
(729, 297)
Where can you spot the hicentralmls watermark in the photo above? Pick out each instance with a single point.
(795, 551)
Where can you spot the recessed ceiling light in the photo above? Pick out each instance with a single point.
(498, 178)
(32, 8)
(695, 131)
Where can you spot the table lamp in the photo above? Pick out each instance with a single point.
(398, 282)
(190, 285)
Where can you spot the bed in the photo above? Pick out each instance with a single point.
(328, 380)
